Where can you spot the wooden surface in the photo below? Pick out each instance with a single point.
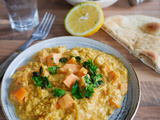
(10, 41)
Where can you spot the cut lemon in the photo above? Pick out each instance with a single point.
(84, 19)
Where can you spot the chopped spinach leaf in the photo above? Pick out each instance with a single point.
(36, 79)
(90, 66)
(53, 70)
(72, 56)
(78, 58)
(95, 78)
(95, 81)
(89, 91)
(76, 92)
(64, 60)
(58, 92)
(100, 82)
(41, 81)
(87, 80)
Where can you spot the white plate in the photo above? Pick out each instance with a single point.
(101, 3)
(130, 102)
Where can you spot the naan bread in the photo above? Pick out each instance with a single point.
(139, 34)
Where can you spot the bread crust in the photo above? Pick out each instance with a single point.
(139, 34)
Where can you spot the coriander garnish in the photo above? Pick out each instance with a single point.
(76, 92)
(40, 80)
(53, 70)
(58, 92)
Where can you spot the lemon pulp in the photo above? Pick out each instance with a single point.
(84, 19)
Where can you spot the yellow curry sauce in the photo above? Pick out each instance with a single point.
(87, 95)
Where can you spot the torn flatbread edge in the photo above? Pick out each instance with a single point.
(156, 68)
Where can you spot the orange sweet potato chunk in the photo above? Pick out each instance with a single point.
(70, 68)
(105, 68)
(72, 60)
(18, 95)
(70, 80)
(115, 103)
(123, 87)
(53, 59)
(83, 71)
(113, 75)
(65, 101)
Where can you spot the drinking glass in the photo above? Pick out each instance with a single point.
(23, 14)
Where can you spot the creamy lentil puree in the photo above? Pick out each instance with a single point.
(62, 84)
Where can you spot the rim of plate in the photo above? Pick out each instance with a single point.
(90, 39)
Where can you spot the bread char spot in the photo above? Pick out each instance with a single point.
(150, 54)
(153, 26)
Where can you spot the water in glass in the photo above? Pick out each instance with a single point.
(23, 14)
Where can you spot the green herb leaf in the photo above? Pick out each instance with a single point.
(50, 85)
(87, 80)
(72, 56)
(78, 59)
(42, 81)
(64, 60)
(36, 79)
(76, 91)
(90, 66)
(58, 92)
(53, 70)
(89, 91)
(100, 82)
(95, 77)
(39, 83)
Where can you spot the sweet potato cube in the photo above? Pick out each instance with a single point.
(18, 95)
(57, 106)
(70, 68)
(43, 56)
(115, 81)
(53, 59)
(123, 87)
(70, 80)
(42, 59)
(72, 60)
(83, 71)
(115, 103)
(65, 101)
(105, 68)
(113, 75)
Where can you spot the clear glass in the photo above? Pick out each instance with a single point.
(23, 14)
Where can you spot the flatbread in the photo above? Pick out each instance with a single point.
(139, 34)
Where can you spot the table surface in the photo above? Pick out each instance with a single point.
(10, 41)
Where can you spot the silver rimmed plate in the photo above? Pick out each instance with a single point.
(130, 102)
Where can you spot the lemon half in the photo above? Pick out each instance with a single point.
(84, 19)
